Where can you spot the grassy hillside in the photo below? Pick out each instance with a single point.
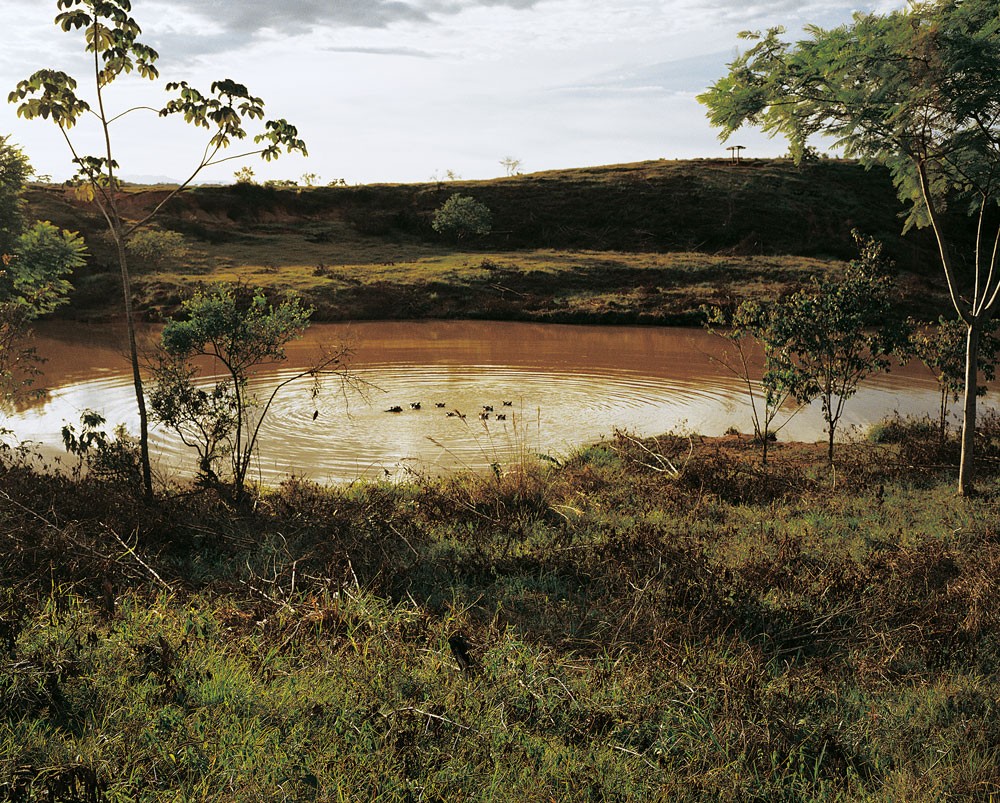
(640, 242)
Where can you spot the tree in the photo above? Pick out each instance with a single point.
(918, 91)
(753, 329)
(245, 176)
(942, 349)
(34, 264)
(32, 283)
(240, 329)
(511, 165)
(35, 274)
(111, 37)
(462, 216)
(14, 172)
(110, 458)
(838, 331)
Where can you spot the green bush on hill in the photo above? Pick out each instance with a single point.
(461, 217)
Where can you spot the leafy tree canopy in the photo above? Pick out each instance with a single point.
(236, 324)
(34, 276)
(14, 172)
(917, 90)
(111, 35)
(836, 332)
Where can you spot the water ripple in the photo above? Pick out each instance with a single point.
(566, 386)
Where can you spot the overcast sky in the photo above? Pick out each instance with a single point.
(404, 90)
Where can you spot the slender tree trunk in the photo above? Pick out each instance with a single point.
(133, 349)
(831, 424)
(966, 468)
(943, 415)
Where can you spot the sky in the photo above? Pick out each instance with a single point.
(414, 90)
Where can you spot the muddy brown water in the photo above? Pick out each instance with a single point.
(567, 386)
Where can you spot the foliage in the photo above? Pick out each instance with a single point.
(511, 166)
(156, 248)
(203, 419)
(18, 363)
(245, 175)
(240, 330)
(14, 172)
(109, 458)
(942, 349)
(836, 332)
(917, 90)
(111, 35)
(754, 331)
(821, 341)
(462, 216)
(35, 275)
(34, 264)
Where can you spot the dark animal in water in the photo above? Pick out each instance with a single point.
(501, 416)
(414, 405)
(487, 408)
(439, 404)
(508, 404)
(395, 409)
(484, 416)
(315, 414)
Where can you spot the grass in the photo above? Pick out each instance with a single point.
(715, 632)
(641, 243)
(650, 620)
(532, 285)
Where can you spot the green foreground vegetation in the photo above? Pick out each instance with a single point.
(652, 620)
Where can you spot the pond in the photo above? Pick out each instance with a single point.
(559, 387)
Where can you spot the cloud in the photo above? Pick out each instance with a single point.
(384, 51)
(680, 76)
(770, 12)
(251, 17)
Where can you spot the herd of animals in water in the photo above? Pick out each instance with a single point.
(484, 415)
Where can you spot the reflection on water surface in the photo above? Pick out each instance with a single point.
(568, 385)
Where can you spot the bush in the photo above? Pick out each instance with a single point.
(898, 429)
(113, 459)
(462, 216)
(156, 248)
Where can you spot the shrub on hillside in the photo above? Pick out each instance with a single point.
(462, 216)
(156, 248)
